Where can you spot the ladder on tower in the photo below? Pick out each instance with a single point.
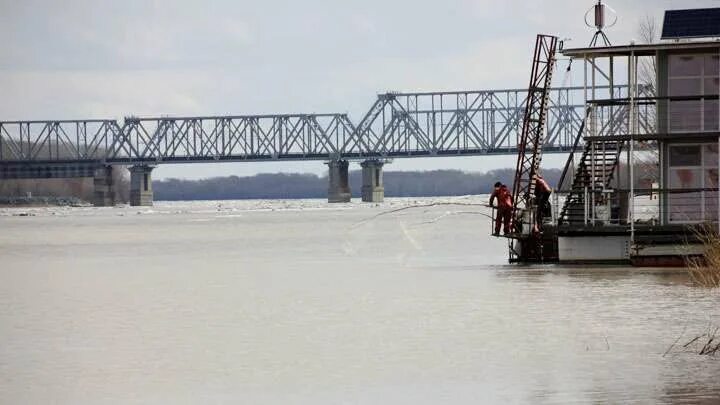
(532, 137)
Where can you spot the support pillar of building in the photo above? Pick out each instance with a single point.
(339, 186)
(104, 193)
(141, 193)
(372, 181)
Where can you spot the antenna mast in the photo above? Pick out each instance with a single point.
(599, 11)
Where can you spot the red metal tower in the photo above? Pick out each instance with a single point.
(533, 134)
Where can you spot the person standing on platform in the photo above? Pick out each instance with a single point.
(542, 200)
(504, 207)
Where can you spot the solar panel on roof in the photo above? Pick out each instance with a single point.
(694, 23)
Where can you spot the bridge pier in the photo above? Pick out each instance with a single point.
(104, 194)
(372, 181)
(339, 186)
(141, 193)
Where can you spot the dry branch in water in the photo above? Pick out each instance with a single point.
(447, 214)
(675, 342)
(420, 206)
(710, 347)
(706, 344)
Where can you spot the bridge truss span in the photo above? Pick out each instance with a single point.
(461, 123)
(232, 138)
(398, 125)
(59, 140)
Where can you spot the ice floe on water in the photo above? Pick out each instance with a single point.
(235, 208)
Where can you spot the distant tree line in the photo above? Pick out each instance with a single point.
(276, 185)
(267, 186)
(289, 186)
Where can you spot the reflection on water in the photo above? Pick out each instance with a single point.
(302, 302)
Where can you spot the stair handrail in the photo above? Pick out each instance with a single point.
(571, 157)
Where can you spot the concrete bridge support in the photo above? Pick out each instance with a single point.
(104, 195)
(372, 181)
(339, 186)
(141, 193)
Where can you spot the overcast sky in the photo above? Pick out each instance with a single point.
(101, 59)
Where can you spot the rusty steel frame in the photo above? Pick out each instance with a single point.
(532, 141)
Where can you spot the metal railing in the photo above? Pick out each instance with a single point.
(643, 206)
(652, 117)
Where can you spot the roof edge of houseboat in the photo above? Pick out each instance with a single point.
(638, 50)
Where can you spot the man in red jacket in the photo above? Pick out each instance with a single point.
(504, 207)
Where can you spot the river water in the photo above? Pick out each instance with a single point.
(304, 302)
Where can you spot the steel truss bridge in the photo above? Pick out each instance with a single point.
(398, 125)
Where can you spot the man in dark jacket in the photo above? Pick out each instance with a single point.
(504, 207)
(542, 200)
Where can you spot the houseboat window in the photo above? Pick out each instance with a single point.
(710, 155)
(685, 155)
(685, 207)
(685, 86)
(693, 75)
(693, 167)
(686, 65)
(710, 107)
(712, 65)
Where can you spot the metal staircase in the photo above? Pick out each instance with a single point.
(595, 172)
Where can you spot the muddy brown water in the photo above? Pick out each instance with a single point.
(305, 302)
